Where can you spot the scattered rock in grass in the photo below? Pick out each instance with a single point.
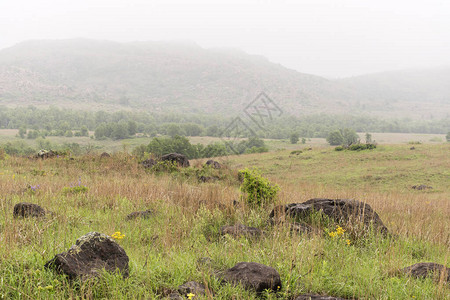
(253, 276)
(193, 287)
(148, 163)
(412, 148)
(214, 164)
(91, 254)
(338, 209)
(421, 187)
(240, 230)
(105, 155)
(25, 210)
(180, 159)
(43, 154)
(207, 178)
(145, 214)
(316, 297)
(422, 270)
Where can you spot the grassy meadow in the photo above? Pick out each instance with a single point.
(166, 250)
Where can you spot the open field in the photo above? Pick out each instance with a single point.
(108, 145)
(165, 249)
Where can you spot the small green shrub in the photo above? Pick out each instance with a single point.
(339, 148)
(165, 166)
(75, 189)
(258, 190)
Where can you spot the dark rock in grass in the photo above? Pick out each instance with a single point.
(148, 163)
(180, 159)
(412, 148)
(340, 210)
(422, 270)
(316, 297)
(145, 214)
(253, 276)
(421, 187)
(240, 230)
(43, 154)
(25, 210)
(91, 254)
(105, 155)
(208, 178)
(214, 164)
(193, 287)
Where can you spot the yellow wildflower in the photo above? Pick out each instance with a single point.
(348, 242)
(190, 295)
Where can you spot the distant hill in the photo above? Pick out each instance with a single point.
(183, 77)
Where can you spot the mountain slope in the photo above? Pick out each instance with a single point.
(179, 77)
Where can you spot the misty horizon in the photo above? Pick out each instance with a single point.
(231, 49)
(325, 38)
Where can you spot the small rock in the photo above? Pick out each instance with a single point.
(214, 164)
(148, 163)
(43, 154)
(412, 148)
(421, 187)
(316, 297)
(193, 287)
(240, 230)
(25, 210)
(91, 253)
(253, 276)
(422, 270)
(177, 158)
(145, 214)
(105, 155)
(207, 178)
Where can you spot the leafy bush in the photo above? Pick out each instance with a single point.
(259, 190)
(356, 147)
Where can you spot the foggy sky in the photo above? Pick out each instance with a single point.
(334, 38)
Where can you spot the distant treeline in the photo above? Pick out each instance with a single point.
(35, 122)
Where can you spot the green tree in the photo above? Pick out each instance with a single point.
(84, 131)
(368, 138)
(294, 138)
(335, 138)
(448, 136)
(132, 128)
(22, 132)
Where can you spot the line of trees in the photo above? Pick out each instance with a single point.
(122, 124)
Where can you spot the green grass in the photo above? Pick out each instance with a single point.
(164, 250)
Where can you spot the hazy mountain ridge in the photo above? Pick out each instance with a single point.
(183, 77)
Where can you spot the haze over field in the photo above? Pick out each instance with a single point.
(323, 37)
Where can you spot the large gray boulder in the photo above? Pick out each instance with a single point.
(180, 159)
(91, 254)
(422, 270)
(253, 276)
(340, 210)
(25, 210)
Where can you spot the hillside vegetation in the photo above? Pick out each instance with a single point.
(183, 77)
(181, 240)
